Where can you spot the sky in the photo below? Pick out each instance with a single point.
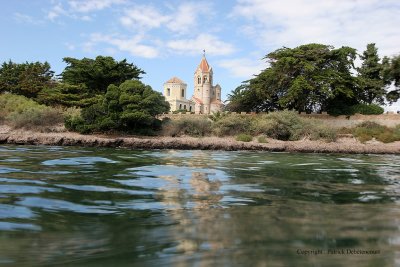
(167, 38)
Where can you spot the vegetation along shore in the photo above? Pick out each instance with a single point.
(102, 102)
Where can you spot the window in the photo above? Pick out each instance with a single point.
(184, 107)
(180, 106)
(205, 78)
(218, 94)
(168, 92)
(198, 80)
(183, 92)
(190, 108)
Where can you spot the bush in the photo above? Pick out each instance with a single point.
(288, 125)
(262, 139)
(183, 111)
(186, 126)
(21, 112)
(365, 109)
(369, 130)
(232, 124)
(244, 138)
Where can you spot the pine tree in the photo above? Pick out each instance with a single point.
(371, 85)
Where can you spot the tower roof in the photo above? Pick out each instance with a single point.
(204, 66)
(174, 80)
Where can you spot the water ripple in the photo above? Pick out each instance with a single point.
(61, 205)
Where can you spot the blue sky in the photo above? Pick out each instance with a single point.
(166, 38)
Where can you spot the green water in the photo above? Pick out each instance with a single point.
(116, 207)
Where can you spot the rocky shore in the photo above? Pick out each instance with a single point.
(342, 145)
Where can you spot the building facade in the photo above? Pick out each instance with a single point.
(206, 97)
(175, 94)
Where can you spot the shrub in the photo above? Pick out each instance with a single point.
(369, 130)
(21, 112)
(35, 118)
(232, 124)
(186, 126)
(365, 109)
(288, 125)
(183, 111)
(262, 139)
(244, 138)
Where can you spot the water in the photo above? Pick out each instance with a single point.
(115, 207)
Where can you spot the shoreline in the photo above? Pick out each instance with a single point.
(345, 145)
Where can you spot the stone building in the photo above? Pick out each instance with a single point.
(206, 97)
(175, 94)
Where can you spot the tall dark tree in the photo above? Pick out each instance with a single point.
(97, 74)
(26, 79)
(392, 74)
(305, 78)
(370, 78)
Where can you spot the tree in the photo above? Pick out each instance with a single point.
(97, 74)
(306, 78)
(392, 74)
(132, 106)
(370, 78)
(26, 79)
(67, 95)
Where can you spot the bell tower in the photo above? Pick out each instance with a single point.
(203, 79)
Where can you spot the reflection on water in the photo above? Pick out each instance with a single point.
(112, 207)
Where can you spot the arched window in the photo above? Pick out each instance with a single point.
(183, 92)
(205, 78)
(184, 107)
(180, 106)
(198, 80)
(190, 108)
(168, 92)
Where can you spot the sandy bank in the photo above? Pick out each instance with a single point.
(342, 145)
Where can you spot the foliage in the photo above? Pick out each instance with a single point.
(132, 107)
(364, 109)
(232, 124)
(21, 112)
(371, 85)
(67, 95)
(244, 138)
(305, 78)
(97, 74)
(26, 79)
(192, 126)
(371, 109)
(392, 74)
(288, 125)
(262, 139)
(369, 130)
(183, 111)
(216, 116)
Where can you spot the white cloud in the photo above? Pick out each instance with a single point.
(243, 68)
(92, 5)
(23, 18)
(185, 17)
(179, 19)
(143, 16)
(210, 43)
(132, 45)
(277, 23)
(56, 11)
(77, 9)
